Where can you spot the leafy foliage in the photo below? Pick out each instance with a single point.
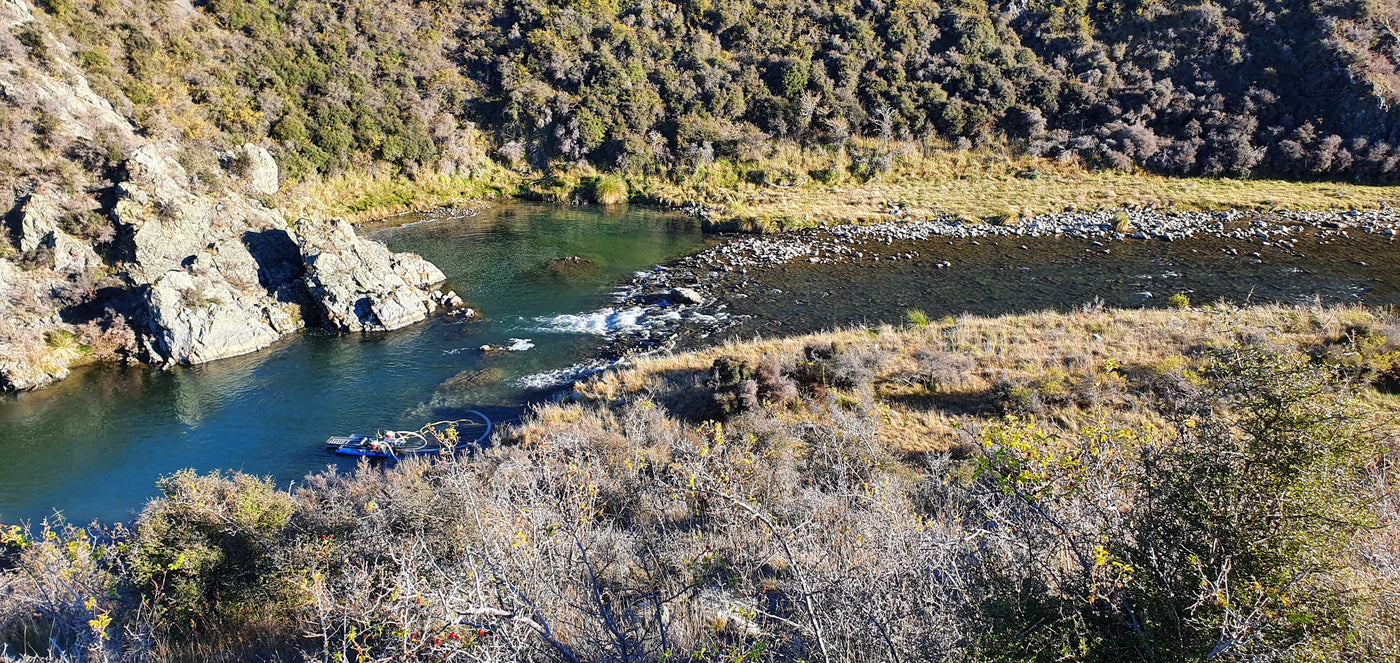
(1224, 537)
(1226, 88)
(203, 552)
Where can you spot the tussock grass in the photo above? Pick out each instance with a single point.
(610, 190)
(1021, 344)
(1062, 366)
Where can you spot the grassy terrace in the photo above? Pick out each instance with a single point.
(981, 186)
(793, 187)
(930, 383)
(361, 197)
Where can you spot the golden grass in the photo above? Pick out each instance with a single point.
(980, 184)
(798, 187)
(911, 431)
(360, 197)
(1051, 350)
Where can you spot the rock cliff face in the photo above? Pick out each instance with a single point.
(199, 270)
(226, 276)
(39, 231)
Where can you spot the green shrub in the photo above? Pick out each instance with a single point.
(1244, 517)
(202, 552)
(917, 318)
(1179, 301)
(1237, 521)
(32, 38)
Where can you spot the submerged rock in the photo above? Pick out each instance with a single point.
(571, 267)
(472, 379)
(687, 296)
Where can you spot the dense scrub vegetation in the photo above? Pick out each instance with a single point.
(1181, 487)
(1218, 88)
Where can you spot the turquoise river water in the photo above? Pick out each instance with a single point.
(94, 444)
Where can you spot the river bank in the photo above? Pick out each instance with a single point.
(951, 473)
(796, 187)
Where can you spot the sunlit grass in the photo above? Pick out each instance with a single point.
(980, 184)
(362, 197)
(1078, 345)
(795, 187)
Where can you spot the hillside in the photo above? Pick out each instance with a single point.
(125, 253)
(1100, 485)
(1217, 88)
(772, 114)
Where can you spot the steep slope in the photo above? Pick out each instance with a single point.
(1220, 88)
(168, 266)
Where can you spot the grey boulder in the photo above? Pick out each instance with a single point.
(358, 284)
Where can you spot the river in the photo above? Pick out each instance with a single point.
(94, 445)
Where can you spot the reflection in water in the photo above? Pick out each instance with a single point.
(94, 444)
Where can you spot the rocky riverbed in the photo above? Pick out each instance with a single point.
(855, 243)
(814, 278)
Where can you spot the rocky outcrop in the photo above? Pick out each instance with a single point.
(226, 276)
(198, 267)
(358, 284)
(208, 294)
(167, 225)
(36, 223)
(256, 165)
(39, 231)
(198, 319)
(35, 348)
(217, 308)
